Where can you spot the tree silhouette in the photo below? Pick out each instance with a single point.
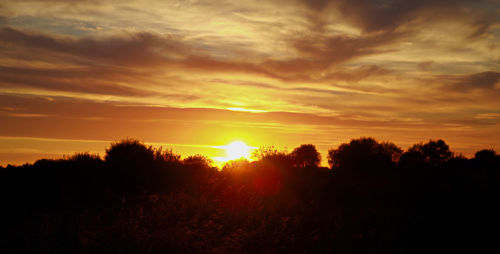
(166, 156)
(131, 165)
(141, 199)
(272, 155)
(488, 160)
(306, 156)
(433, 153)
(129, 153)
(363, 154)
(485, 155)
(197, 172)
(235, 165)
(199, 160)
(84, 181)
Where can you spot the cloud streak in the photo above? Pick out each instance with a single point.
(334, 67)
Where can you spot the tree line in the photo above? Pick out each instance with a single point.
(373, 197)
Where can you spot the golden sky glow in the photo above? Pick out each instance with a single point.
(192, 75)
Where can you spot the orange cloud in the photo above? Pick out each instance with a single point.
(304, 71)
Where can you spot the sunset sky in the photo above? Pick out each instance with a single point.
(192, 75)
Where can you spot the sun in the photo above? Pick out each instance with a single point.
(237, 150)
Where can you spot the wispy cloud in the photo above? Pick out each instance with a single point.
(332, 67)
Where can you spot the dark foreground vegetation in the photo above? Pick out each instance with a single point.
(374, 198)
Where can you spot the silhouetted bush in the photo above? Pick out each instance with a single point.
(486, 155)
(141, 199)
(363, 155)
(130, 165)
(274, 156)
(166, 156)
(433, 153)
(306, 156)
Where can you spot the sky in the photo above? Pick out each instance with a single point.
(192, 75)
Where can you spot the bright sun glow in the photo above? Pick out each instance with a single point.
(236, 150)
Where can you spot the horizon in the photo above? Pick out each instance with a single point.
(219, 155)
